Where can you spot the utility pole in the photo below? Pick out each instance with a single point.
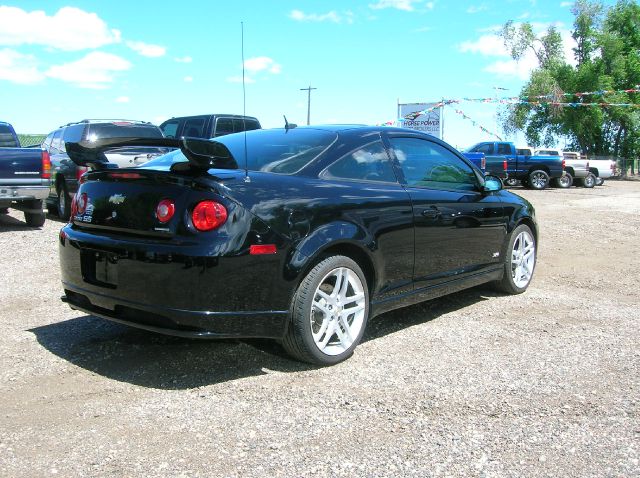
(308, 90)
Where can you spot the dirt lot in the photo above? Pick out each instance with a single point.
(476, 384)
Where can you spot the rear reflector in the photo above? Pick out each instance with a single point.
(259, 249)
(46, 165)
(165, 210)
(208, 215)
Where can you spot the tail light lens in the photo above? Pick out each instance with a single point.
(563, 163)
(74, 208)
(46, 165)
(165, 210)
(504, 164)
(484, 163)
(80, 170)
(80, 202)
(208, 215)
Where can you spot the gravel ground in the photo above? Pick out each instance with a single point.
(475, 384)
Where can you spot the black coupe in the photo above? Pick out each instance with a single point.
(296, 234)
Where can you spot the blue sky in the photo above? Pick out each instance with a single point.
(62, 61)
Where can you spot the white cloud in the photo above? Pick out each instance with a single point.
(146, 49)
(18, 68)
(95, 70)
(566, 4)
(487, 45)
(238, 79)
(123, 99)
(188, 79)
(68, 29)
(405, 5)
(184, 59)
(476, 8)
(262, 63)
(300, 16)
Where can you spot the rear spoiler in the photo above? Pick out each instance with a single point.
(202, 154)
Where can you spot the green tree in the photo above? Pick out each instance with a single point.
(606, 57)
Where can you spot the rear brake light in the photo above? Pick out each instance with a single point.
(208, 215)
(80, 170)
(563, 163)
(81, 203)
(504, 164)
(484, 163)
(125, 175)
(74, 207)
(165, 210)
(46, 165)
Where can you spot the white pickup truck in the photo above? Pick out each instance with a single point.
(602, 168)
(577, 166)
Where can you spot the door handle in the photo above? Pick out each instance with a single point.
(431, 213)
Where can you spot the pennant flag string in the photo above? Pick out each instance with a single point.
(475, 123)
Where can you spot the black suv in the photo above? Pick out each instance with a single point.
(208, 126)
(65, 173)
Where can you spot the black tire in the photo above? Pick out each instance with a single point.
(588, 182)
(599, 181)
(538, 179)
(299, 341)
(511, 182)
(508, 283)
(34, 219)
(63, 202)
(563, 182)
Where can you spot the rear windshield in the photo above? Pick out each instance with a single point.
(269, 150)
(122, 130)
(6, 137)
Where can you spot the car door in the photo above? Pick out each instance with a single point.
(459, 229)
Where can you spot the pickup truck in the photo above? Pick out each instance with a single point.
(493, 168)
(576, 168)
(24, 177)
(533, 171)
(602, 169)
(208, 126)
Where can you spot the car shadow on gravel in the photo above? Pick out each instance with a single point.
(158, 361)
(11, 224)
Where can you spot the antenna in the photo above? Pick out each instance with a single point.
(244, 108)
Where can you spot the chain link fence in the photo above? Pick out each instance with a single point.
(624, 166)
(28, 140)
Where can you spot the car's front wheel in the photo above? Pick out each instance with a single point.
(564, 181)
(329, 312)
(520, 261)
(511, 182)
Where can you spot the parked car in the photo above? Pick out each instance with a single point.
(576, 168)
(532, 171)
(313, 233)
(602, 168)
(24, 177)
(66, 173)
(208, 126)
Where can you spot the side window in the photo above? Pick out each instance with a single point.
(57, 145)
(503, 148)
(429, 165)
(170, 129)
(240, 125)
(194, 128)
(368, 163)
(46, 144)
(223, 126)
(486, 148)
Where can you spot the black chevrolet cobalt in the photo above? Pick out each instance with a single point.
(295, 234)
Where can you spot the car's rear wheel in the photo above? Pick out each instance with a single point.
(64, 203)
(34, 219)
(564, 181)
(329, 312)
(589, 181)
(538, 179)
(511, 182)
(520, 261)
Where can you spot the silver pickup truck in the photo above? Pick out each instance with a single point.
(576, 168)
(602, 167)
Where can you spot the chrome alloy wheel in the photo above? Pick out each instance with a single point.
(565, 181)
(539, 180)
(523, 259)
(337, 311)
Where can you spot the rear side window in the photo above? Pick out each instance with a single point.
(368, 163)
(504, 148)
(194, 128)
(484, 148)
(223, 126)
(122, 130)
(57, 145)
(7, 140)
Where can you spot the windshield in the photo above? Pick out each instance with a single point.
(269, 150)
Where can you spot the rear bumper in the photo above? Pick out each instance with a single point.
(182, 323)
(23, 193)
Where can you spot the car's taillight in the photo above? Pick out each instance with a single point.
(484, 163)
(563, 163)
(165, 210)
(80, 170)
(46, 165)
(504, 164)
(74, 207)
(208, 215)
(81, 203)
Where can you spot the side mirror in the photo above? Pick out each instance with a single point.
(491, 184)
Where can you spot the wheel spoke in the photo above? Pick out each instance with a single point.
(329, 332)
(344, 336)
(344, 286)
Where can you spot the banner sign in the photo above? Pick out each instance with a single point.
(423, 117)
